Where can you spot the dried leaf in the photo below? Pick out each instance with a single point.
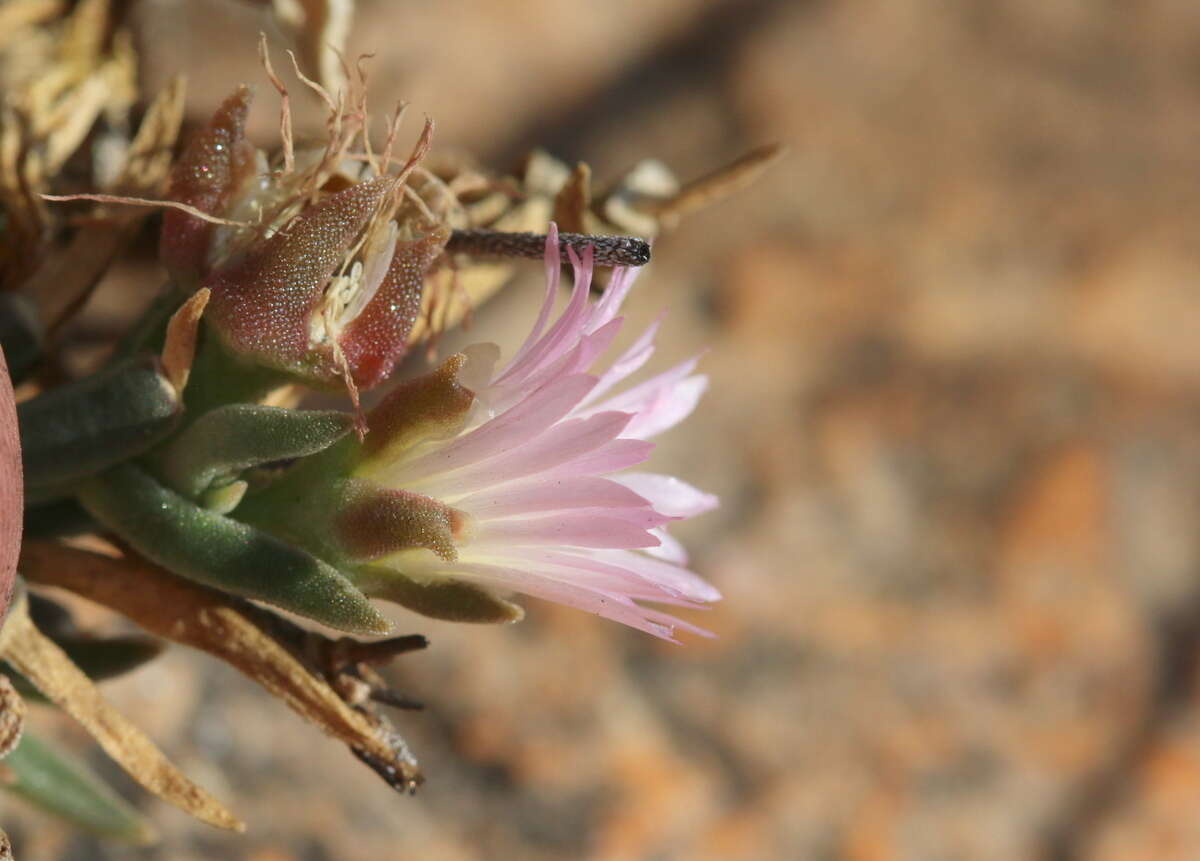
(179, 350)
(42, 662)
(716, 186)
(12, 491)
(148, 160)
(573, 203)
(64, 281)
(320, 29)
(234, 631)
(12, 716)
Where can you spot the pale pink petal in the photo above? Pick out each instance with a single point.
(553, 272)
(558, 340)
(563, 443)
(606, 309)
(668, 494)
(667, 408)
(540, 495)
(610, 606)
(612, 456)
(668, 549)
(628, 567)
(638, 353)
(575, 361)
(687, 583)
(646, 392)
(511, 429)
(638, 590)
(675, 623)
(566, 529)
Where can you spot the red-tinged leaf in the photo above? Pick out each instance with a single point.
(374, 341)
(210, 169)
(263, 305)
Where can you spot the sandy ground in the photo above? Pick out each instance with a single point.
(953, 421)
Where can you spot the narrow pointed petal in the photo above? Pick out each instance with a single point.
(669, 494)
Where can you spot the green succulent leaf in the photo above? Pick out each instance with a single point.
(20, 333)
(222, 443)
(69, 789)
(224, 553)
(84, 427)
(451, 600)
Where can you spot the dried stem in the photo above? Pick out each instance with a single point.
(254, 641)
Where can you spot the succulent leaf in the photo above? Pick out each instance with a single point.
(84, 427)
(224, 442)
(218, 551)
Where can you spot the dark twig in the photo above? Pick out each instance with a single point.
(609, 250)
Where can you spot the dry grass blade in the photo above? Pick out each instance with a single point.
(41, 661)
(141, 201)
(228, 628)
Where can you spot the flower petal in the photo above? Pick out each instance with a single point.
(668, 494)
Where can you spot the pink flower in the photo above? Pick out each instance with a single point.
(522, 487)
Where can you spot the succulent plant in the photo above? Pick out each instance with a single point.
(211, 501)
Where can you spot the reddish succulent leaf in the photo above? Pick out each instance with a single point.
(210, 169)
(11, 487)
(263, 304)
(378, 337)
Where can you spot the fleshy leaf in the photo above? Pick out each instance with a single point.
(222, 443)
(69, 789)
(378, 337)
(206, 175)
(218, 551)
(448, 599)
(84, 427)
(263, 304)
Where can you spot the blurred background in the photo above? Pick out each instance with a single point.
(954, 343)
